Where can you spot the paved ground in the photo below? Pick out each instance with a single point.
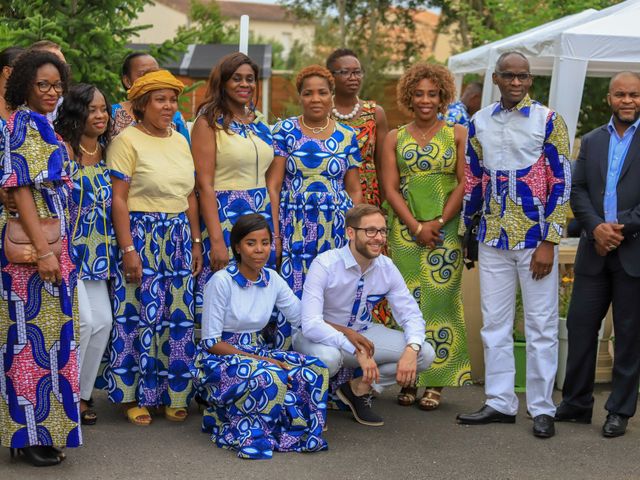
(412, 445)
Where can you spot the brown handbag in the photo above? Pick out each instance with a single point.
(17, 244)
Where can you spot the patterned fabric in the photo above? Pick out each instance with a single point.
(313, 200)
(121, 120)
(433, 276)
(457, 113)
(39, 379)
(365, 126)
(524, 199)
(151, 343)
(93, 238)
(256, 406)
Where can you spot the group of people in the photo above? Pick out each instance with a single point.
(321, 257)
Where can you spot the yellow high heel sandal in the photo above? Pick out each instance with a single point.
(139, 416)
(178, 414)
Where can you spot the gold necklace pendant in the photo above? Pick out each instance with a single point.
(84, 150)
(424, 135)
(315, 130)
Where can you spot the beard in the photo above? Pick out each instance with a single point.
(626, 121)
(362, 249)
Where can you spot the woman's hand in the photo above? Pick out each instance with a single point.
(49, 270)
(219, 255)
(8, 200)
(196, 258)
(429, 236)
(132, 267)
(277, 363)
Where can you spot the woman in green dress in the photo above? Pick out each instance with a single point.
(423, 180)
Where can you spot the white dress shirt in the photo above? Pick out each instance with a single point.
(234, 304)
(330, 294)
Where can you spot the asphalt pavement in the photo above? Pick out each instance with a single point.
(411, 445)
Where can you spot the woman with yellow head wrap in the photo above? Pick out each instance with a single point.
(135, 65)
(155, 216)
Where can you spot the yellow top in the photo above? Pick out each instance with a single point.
(159, 171)
(242, 157)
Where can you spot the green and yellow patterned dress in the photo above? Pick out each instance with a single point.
(429, 175)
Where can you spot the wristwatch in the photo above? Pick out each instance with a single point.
(441, 221)
(415, 347)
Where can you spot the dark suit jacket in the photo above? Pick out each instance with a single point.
(587, 201)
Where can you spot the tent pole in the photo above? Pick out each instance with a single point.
(244, 35)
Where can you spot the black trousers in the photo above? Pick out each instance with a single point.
(590, 301)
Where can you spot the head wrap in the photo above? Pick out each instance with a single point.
(156, 80)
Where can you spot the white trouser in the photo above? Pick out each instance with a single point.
(389, 346)
(95, 326)
(500, 271)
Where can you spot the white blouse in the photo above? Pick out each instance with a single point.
(234, 304)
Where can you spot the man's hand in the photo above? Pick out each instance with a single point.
(600, 250)
(362, 343)
(370, 373)
(608, 235)
(542, 260)
(407, 368)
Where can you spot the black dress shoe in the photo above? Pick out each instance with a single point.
(361, 407)
(614, 426)
(543, 426)
(38, 456)
(485, 415)
(566, 413)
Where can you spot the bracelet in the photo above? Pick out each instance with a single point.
(418, 230)
(196, 240)
(128, 249)
(441, 221)
(46, 255)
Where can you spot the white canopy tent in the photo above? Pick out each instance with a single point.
(598, 43)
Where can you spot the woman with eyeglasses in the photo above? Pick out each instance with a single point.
(232, 150)
(134, 66)
(39, 409)
(83, 122)
(423, 181)
(364, 116)
(313, 179)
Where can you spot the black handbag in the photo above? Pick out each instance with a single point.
(470, 242)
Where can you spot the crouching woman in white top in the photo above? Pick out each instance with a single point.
(260, 399)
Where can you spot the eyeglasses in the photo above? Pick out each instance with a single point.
(45, 87)
(347, 73)
(372, 232)
(510, 76)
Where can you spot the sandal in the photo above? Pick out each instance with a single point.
(407, 396)
(88, 417)
(430, 399)
(139, 416)
(178, 414)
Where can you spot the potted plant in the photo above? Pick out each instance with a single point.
(564, 298)
(519, 345)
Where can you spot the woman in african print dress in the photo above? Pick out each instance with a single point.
(313, 179)
(158, 233)
(232, 151)
(423, 175)
(83, 122)
(261, 399)
(39, 391)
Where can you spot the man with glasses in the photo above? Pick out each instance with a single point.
(518, 179)
(341, 288)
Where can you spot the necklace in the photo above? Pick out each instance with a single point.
(348, 116)
(315, 130)
(84, 150)
(167, 134)
(425, 135)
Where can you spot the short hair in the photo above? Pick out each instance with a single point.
(623, 74)
(354, 215)
(314, 71)
(438, 74)
(24, 73)
(477, 86)
(339, 53)
(246, 224)
(73, 114)
(126, 64)
(9, 55)
(44, 45)
(504, 56)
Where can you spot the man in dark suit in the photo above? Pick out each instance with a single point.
(605, 198)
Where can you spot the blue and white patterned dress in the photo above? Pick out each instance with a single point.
(313, 199)
(257, 407)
